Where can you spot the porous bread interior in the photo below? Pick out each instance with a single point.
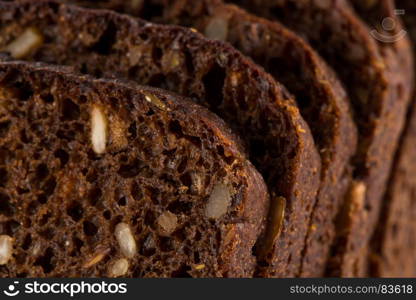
(60, 201)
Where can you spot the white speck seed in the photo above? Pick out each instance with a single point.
(218, 201)
(98, 130)
(167, 223)
(125, 240)
(6, 249)
(118, 268)
(29, 40)
(358, 194)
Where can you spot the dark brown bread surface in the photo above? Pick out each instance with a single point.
(394, 243)
(378, 15)
(133, 7)
(165, 163)
(378, 77)
(103, 43)
(321, 99)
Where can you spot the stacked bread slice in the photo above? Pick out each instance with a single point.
(322, 102)
(108, 179)
(394, 243)
(165, 188)
(377, 73)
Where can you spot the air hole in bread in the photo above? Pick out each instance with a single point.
(11, 226)
(63, 156)
(49, 186)
(70, 110)
(115, 103)
(186, 179)
(149, 219)
(77, 245)
(45, 261)
(27, 242)
(41, 172)
(21, 191)
(24, 137)
(176, 128)
(134, 71)
(165, 244)
(24, 92)
(90, 228)
(154, 194)
(194, 140)
(45, 218)
(5, 155)
(181, 272)
(150, 112)
(198, 236)
(32, 207)
(6, 208)
(197, 258)
(130, 170)
(42, 199)
(4, 128)
(136, 191)
(75, 211)
(183, 165)
(47, 98)
(4, 177)
(132, 131)
(189, 62)
(27, 223)
(48, 233)
(143, 36)
(157, 54)
(214, 84)
(148, 246)
(107, 215)
(92, 176)
(107, 40)
(94, 196)
(178, 207)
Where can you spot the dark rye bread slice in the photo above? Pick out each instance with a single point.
(104, 43)
(320, 97)
(105, 178)
(387, 28)
(378, 78)
(394, 243)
